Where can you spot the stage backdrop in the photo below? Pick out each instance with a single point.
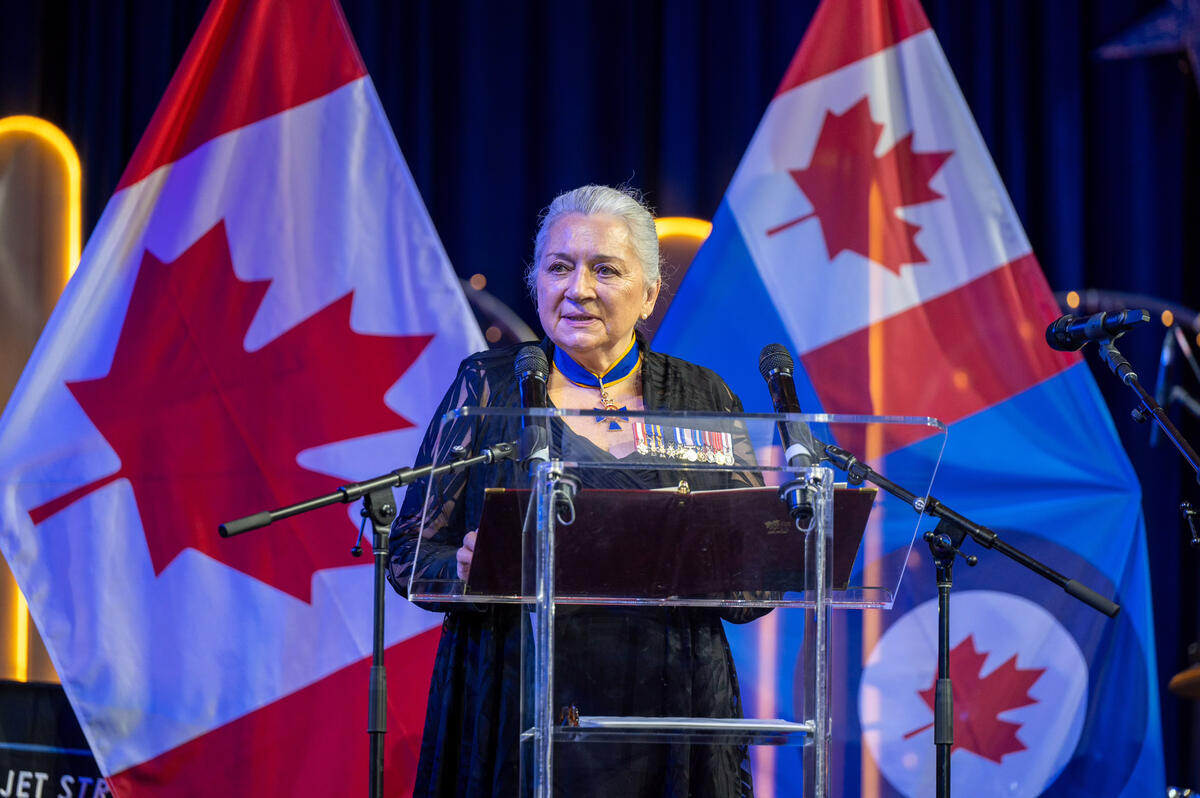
(1099, 157)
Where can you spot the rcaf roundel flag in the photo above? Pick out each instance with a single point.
(263, 312)
(867, 228)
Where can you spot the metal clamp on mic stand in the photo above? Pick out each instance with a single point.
(379, 506)
(1189, 514)
(797, 495)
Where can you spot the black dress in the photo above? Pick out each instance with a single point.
(683, 666)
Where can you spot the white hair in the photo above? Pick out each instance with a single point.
(627, 204)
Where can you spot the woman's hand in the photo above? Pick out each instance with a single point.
(465, 553)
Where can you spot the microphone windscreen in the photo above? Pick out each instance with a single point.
(775, 357)
(1054, 333)
(531, 360)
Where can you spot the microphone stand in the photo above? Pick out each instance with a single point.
(379, 506)
(944, 543)
(1148, 407)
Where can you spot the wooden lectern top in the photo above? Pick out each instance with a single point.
(665, 543)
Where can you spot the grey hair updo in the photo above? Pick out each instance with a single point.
(625, 203)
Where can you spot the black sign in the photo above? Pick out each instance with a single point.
(43, 753)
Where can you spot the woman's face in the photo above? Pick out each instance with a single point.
(591, 288)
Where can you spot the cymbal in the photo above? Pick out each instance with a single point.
(1186, 683)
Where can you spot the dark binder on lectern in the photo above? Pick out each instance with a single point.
(665, 543)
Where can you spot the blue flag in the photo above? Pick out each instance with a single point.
(867, 229)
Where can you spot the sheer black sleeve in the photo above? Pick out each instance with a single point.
(454, 498)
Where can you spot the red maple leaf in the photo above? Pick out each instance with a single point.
(207, 432)
(857, 195)
(978, 701)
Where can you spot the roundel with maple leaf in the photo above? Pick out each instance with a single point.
(1049, 695)
(1019, 685)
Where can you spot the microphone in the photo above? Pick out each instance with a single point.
(532, 369)
(1070, 333)
(800, 448)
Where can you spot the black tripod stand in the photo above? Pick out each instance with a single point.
(944, 543)
(1148, 409)
(379, 507)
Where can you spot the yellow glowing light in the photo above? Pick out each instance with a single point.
(33, 126)
(58, 141)
(1168, 318)
(683, 226)
(21, 638)
(1072, 299)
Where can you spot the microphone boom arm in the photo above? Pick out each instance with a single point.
(356, 490)
(858, 472)
(379, 506)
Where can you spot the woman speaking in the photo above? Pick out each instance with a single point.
(595, 275)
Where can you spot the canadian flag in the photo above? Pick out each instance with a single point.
(867, 226)
(263, 312)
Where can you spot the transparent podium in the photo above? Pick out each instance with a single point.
(631, 551)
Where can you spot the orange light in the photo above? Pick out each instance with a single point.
(682, 226)
(1072, 299)
(478, 282)
(21, 638)
(492, 334)
(1168, 318)
(32, 125)
(58, 141)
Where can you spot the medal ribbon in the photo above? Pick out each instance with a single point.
(625, 365)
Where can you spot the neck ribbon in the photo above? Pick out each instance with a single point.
(625, 365)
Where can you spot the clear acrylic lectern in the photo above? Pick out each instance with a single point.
(630, 551)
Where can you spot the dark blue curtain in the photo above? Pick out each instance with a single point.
(497, 106)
